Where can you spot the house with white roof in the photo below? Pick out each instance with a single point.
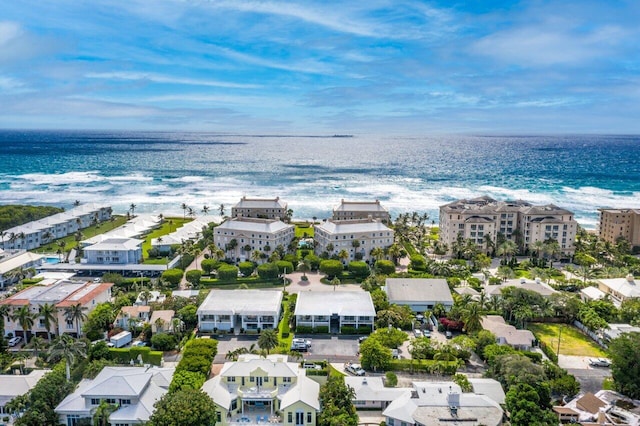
(249, 309)
(442, 404)
(149, 296)
(358, 237)
(371, 393)
(13, 385)
(17, 260)
(617, 330)
(264, 208)
(239, 237)
(62, 295)
(114, 251)
(263, 390)
(132, 316)
(506, 334)
(349, 210)
(620, 289)
(591, 293)
(536, 286)
(189, 231)
(335, 310)
(420, 294)
(133, 390)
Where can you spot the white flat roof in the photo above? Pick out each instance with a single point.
(267, 226)
(357, 303)
(349, 226)
(241, 302)
(418, 290)
(18, 261)
(115, 244)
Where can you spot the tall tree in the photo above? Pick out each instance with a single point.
(49, 315)
(625, 368)
(186, 407)
(26, 319)
(68, 349)
(268, 339)
(76, 314)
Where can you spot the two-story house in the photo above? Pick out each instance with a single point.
(114, 251)
(263, 390)
(248, 309)
(132, 391)
(335, 310)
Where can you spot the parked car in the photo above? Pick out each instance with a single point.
(448, 335)
(427, 334)
(138, 343)
(395, 353)
(14, 341)
(311, 365)
(600, 362)
(354, 369)
(362, 339)
(417, 333)
(299, 344)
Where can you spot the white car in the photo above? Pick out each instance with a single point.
(14, 341)
(417, 333)
(355, 369)
(299, 344)
(600, 362)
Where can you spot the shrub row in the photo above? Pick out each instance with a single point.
(427, 366)
(125, 355)
(307, 329)
(198, 356)
(347, 329)
(548, 351)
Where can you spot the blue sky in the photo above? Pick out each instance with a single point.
(322, 67)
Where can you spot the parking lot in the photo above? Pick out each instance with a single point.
(330, 348)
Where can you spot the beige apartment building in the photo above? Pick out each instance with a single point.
(348, 210)
(240, 236)
(358, 237)
(616, 223)
(482, 219)
(265, 208)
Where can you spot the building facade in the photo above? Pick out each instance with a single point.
(118, 251)
(349, 210)
(358, 237)
(263, 390)
(251, 310)
(334, 310)
(263, 208)
(620, 223)
(484, 221)
(16, 260)
(32, 235)
(239, 237)
(63, 296)
(420, 294)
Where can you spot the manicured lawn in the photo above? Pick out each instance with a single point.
(169, 225)
(302, 228)
(89, 232)
(572, 341)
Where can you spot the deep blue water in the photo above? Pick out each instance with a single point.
(158, 171)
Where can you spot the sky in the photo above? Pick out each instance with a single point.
(374, 66)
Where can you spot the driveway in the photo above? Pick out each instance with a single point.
(590, 378)
(332, 348)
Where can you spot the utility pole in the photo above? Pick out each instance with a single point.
(559, 338)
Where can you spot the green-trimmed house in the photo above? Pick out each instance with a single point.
(264, 390)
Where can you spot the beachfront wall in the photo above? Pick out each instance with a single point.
(357, 237)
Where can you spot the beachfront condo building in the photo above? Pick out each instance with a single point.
(114, 251)
(620, 223)
(64, 296)
(265, 208)
(32, 235)
(361, 210)
(239, 237)
(483, 220)
(258, 390)
(357, 237)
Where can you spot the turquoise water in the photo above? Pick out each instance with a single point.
(160, 171)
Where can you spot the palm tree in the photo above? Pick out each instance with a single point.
(4, 314)
(507, 249)
(205, 209)
(221, 209)
(192, 212)
(255, 256)
(67, 348)
(145, 296)
(76, 314)
(335, 282)
(61, 244)
(343, 255)
(445, 353)
(26, 319)
(102, 413)
(49, 316)
(196, 252)
(377, 253)
(184, 210)
(304, 267)
(132, 208)
(268, 339)
(37, 344)
(472, 317)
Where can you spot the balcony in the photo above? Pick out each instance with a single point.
(255, 392)
(255, 419)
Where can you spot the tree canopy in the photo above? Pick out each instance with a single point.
(185, 407)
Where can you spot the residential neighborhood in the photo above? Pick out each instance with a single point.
(419, 327)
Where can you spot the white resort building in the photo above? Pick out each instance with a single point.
(349, 210)
(15, 261)
(483, 218)
(239, 237)
(358, 237)
(335, 310)
(264, 208)
(133, 390)
(32, 235)
(114, 251)
(224, 310)
(263, 390)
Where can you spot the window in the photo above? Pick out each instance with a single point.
(231, 379)
(95, 401)
(110, 400)
(69, 323)
(289, 417)
(125, 402)
(234, 405)
(286, 380)
(308, 416)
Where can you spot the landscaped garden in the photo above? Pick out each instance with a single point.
(168, 226)
(71, 241)
(572, 341)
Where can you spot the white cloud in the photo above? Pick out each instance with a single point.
(8, 31)
(158, 78)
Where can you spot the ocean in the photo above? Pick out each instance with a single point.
(158, 171)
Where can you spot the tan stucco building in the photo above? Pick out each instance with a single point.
(616, 223)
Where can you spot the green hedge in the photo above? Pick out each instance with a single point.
(424, 365)
(307, 329)
(548, 351)
(347, 329)
(31, 281)
(125, 355)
